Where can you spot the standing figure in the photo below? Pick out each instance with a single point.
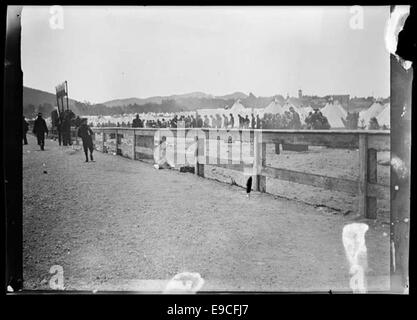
(86, 134)
(199, 122)
(25, 131)
(246, 122)
(218, 121)
(253, 122)
(258, 122)
(59, 131)
(39, 129)
(225, 122)
(66, 119)
(232, 121)
(206, 123)
(136, 123)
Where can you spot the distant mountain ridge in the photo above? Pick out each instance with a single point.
(35, 100)
(38, 97)
(155, 99)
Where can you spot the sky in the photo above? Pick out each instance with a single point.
(109, 53)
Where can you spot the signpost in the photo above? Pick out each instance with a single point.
(61, 92)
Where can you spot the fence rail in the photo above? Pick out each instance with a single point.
(141, 143)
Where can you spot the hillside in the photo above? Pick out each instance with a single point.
(155, 99)
(35, 101)
(233, 96)
(41, 101)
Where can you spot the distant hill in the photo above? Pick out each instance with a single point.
(234, 96)
(155, 99)
(37, 97)
(41, 101)
(35, 101)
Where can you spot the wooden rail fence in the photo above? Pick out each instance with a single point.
(140, 144)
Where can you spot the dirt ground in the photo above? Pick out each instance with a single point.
(338, 163)
(119, 224)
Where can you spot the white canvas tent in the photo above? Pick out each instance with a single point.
(334, 114)
(303, 112)
(373, 111)
(237, 107)
(384, 117)
(274, 107)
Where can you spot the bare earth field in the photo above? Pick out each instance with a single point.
(119, 224)
(338, 163)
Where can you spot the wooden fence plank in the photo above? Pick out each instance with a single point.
(315, 180)
(371, 200)
(363, 174)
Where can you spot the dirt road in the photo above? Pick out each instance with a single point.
(118, 224)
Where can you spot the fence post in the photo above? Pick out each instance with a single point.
(117, 140)
(103, 138)
(240, 148)
(229, 150)
(175, 148)
(196, 154)
(134, 145)
(372, 178)
(367, 173)
(218, 149)
(259, 162)
(200, 153)
(277, 151)
(207, 147)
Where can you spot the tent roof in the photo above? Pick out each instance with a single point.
(334, 114)
(373, 111)
(384, 117)
(273, 107)
(237, 107)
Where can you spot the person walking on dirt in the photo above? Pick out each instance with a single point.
(85, 133)
(39, 129)
(25, 131)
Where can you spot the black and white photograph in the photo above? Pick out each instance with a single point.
(208, 149)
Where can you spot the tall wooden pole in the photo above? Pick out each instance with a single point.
(401, 84)
(12, 149)
(66, 93)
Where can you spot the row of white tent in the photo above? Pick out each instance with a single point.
(377, 110)
(334, 112)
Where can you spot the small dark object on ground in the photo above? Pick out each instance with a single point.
(249, 185)
(187, 169)
(44, 171)
(295, 147)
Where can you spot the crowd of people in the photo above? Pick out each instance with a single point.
(288, 120)
(316, 121)
(40, 130)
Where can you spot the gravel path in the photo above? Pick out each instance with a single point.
(118, 224)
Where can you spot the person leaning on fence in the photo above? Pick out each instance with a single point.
(136, 123)
(39, 129)
(25, 131)
(86, 134)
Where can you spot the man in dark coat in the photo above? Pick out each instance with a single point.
(25, 131)
(199, 121)
(232, 121)
(137, 122)
(39, 129)
(85, 133)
